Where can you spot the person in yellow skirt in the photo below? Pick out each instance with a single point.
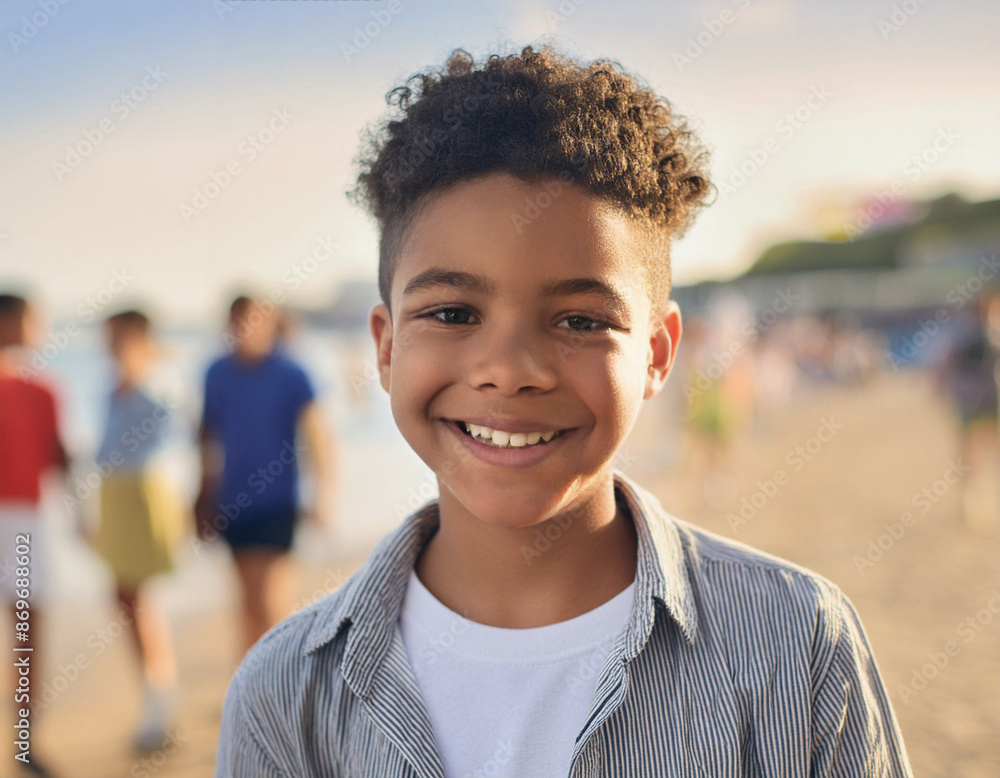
(142, 516)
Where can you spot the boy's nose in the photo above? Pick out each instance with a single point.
(512, 363)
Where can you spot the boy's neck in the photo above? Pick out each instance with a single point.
(494, 576)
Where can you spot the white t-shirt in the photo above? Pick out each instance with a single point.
(507, 702)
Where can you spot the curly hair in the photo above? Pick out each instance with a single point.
(534, 115)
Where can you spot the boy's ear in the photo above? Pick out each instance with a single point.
(380, 323)
(664, 337)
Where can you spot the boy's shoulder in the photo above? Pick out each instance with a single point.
(741, 583)
(713, 577)
(711, 547)
(284, 655)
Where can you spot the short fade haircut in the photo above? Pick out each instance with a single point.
(535, 115)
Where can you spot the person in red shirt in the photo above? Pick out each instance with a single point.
(29, 447)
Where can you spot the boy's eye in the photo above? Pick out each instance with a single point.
(586, 324)
(462, 316)
(448, 315)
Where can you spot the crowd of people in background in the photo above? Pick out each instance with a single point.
(260, 416)
(732, 383)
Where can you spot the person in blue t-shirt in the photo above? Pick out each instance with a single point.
(260, 415)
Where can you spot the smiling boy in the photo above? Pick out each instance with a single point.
(525, 315)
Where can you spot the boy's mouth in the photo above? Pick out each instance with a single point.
(503, 439)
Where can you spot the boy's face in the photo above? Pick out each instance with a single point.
(20, 330)
(525, 349)
(127, 344)
(254, 331)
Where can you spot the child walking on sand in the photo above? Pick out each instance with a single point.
(260, 414)
(142, 515)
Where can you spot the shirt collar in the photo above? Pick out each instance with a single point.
(369, 604)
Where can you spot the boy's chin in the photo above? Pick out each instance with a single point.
(511, 509)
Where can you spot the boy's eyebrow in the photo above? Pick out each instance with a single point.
(572, 286)
(457, 279)
(471, 282)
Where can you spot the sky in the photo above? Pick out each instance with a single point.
(167, 152)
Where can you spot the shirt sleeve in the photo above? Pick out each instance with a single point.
(855, 732)
(302, 390)
(242, 749)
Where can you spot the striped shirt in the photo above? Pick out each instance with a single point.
(733, 663)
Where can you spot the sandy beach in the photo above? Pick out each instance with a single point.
(925, 599)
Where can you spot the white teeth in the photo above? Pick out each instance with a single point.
(502, 439)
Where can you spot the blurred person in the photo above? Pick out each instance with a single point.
(30, 446)
(142, 517)
(259, 405)
(776, 379)
(966, 376)
(719, 390)
(814, 349)
(853, 352)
